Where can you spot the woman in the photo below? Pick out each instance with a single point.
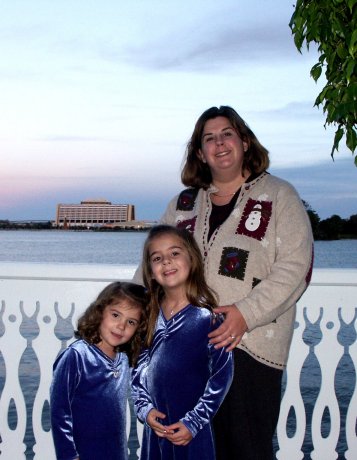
(256, 241)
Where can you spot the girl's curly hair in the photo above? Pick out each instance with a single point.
(89, 323)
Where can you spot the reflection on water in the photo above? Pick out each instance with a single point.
(84, 247)
(336, 254)
(87, 247)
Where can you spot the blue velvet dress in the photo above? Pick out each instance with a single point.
(184, 377)
(88, 404)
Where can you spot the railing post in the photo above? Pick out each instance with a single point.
(329, 352)
(351, 417)
(12, 346)
(290, 446)
(46, 347)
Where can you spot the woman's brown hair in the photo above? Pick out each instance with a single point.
(197, 290)
(197, 174)
(89, 323)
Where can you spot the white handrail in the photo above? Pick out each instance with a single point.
(40, 304)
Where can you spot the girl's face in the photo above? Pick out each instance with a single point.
(119, 323)
(221, 147)
(170, 262)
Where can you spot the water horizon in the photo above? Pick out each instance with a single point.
(125, 248)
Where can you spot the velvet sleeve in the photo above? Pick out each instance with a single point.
(65, 380)
(140, 395)
(221, 375)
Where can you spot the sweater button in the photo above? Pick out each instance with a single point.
(205, 253)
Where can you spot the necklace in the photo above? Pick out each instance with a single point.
(177, 307)
(224, 196)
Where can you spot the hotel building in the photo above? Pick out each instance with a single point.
(93, 213)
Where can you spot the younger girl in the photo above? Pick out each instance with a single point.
(91, 377)
(181, 379)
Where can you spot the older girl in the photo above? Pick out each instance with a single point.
(181, 379)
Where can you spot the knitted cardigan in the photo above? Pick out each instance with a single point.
(259, 259)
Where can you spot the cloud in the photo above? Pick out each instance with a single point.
(216, 37)
(204, 50)
(330, 187)
(19, 34)
(295, 110)
(73, 139)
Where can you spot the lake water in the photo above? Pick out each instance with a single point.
(87, 247)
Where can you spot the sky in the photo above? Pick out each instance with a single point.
(98, 99)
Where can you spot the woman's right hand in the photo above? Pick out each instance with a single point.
(231, 331)
(152, 420)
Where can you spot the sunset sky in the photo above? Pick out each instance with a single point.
(98, 99)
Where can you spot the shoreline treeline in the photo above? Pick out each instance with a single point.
(48, 225)
(332, 228)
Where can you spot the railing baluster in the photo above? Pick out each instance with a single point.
(291, 446)
(351, 418)
(12, 346)
(329, 352)
(46, 347)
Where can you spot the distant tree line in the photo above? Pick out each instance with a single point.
(9, 225)
(48, 225)
(332, 228)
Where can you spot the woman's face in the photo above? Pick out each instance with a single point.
(222, 148)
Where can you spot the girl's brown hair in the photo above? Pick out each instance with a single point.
(197, 290)
(89, 323)
(197, 174)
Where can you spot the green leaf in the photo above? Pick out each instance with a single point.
(338, 136)
(316, 71)
(352, 46)
(351, 139)
(341, 51)
(336, 141)
(299, 40)
(350, 68)
(351, 4)
(322, 58)
(333, 151)
(352, 90)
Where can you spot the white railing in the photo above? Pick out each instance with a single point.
(41, 303)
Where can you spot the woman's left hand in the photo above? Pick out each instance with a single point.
(231, 331)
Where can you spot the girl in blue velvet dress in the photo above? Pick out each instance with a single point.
(180, 379)
(91, 376)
